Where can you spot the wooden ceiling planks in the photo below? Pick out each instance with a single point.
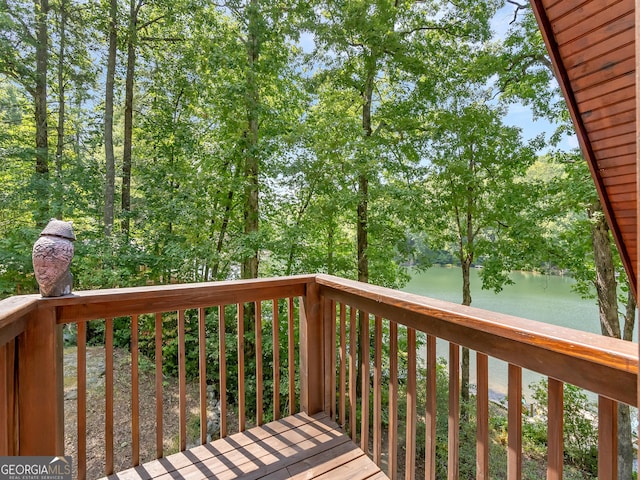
(628, 128)
(592, 47)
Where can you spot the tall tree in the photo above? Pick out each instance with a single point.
(261, 104)
(40, 99)
(479, 203)
(589, 252)
(132, 43)
(17, 201)
(24, 58)
(370, 52)
(75, 76)
(254, 39)
(110, 159)
(526, 75)
(376, 51)
(60, 127)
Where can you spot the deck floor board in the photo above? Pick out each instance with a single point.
(296, 447)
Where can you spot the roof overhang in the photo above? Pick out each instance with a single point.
(592, 47)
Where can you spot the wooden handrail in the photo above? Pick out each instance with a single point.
(95, 304)
(601, 364)
(604, 365)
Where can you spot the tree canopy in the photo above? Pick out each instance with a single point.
(193, 141)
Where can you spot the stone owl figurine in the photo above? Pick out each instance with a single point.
(52, 255)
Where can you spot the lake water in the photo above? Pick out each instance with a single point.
(545, 298)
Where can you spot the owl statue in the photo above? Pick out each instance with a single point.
(52, 255)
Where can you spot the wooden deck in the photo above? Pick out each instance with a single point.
(296, 447)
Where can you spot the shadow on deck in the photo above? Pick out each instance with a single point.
(296, 447)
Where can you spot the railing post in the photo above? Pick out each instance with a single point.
(40, 385)
(311, 351)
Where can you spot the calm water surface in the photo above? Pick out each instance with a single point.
(545, 298)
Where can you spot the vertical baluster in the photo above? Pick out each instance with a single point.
(108, 391)
(410, 455)
(182, 381)
(13, 399)
(482, 417)
(454, 412)
(555, 444)
(259, 392)
(159, 386)
(135, 396)
(81, 457)
(607, 438)
(291, 364)
(430, 415)
(332, 359)
(352, 372)
(393, 400)
(364, 372)
(343, 365)
(202, 372)
(377, 393)
(514, 455)
(328, 354)
(7, 420)
(222, 359)
(276, 361)
(241, 409)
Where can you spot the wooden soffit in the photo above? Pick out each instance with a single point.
(592, 47)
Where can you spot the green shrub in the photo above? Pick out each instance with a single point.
(580, 430)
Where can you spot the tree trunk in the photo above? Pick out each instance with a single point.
(625, 438)
(625, 443)
(249, 268)
(251, 215)
(467, 256)
(58, 195)
(221, 234)
(606, 285)
(362, 228)
(465, 360)
(110, 161)
(128, 118)
(331, 243)
(606, 288)
(40, 101)
(466, 282)
(299, 216)
(629, 317)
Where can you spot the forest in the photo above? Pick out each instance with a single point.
(191, 141)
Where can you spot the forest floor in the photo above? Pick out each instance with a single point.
(95, 417)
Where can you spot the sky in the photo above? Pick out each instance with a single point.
(520, 115)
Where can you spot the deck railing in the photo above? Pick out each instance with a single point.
(332, 345)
